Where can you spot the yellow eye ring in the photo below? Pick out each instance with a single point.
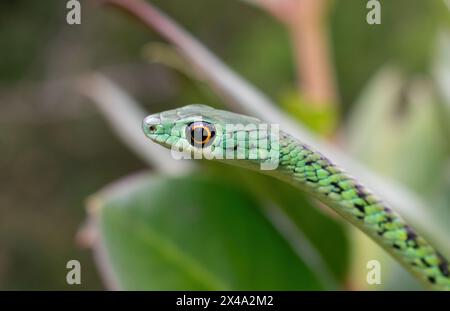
(204, 128)
(200, 134)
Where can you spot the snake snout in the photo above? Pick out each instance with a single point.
(150, 124)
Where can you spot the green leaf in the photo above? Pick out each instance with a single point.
(327, 234)
(194, 233)
(322, 238)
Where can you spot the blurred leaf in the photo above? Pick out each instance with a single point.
(394, 130)
(441, 197)
(194, 233)
(327, 234)
(322, 239)
(441, 74)
(441, 66)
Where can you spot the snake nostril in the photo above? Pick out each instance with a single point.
(151, 124)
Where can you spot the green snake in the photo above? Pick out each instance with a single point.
(204, 132)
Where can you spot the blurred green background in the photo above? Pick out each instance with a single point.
(56, 149)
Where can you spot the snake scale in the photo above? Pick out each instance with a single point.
(214, 134)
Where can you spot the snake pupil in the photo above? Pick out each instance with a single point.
(200, 134)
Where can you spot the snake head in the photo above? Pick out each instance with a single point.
(210, 133)
(192, 128)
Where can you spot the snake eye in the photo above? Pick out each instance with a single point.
(200, 134)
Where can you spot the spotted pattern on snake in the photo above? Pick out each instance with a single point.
(318, 173)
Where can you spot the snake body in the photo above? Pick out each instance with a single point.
(199, 129)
